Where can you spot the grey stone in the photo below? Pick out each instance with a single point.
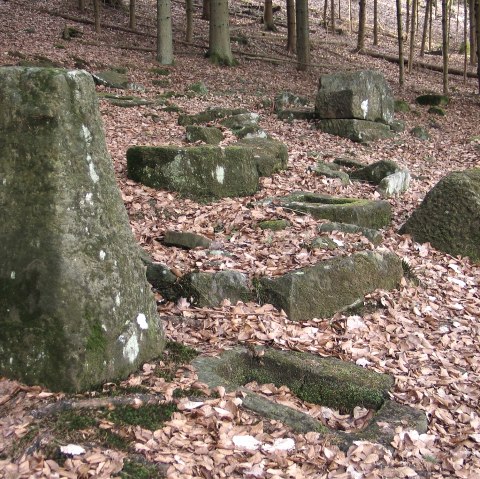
(420, 133)
(348, 162)
(210, 289)
(372, 235)
(249, 132)
(436, 110)
(161, 278)
(397, 126)
(75, 307)
(326, 170)
(360, 131)
(199, 87)
(361, 212)
(211, 114)
(432, 99)
(375, 172)
(112, 79)
(270, 155)
(201, 172)
(449, 216)
(322, 243)
(274, 225)
(307, 114)
(363, 95)
(286, 100)
(185, 239)
(394, 184)
(401, 106)
(330, 286)
(208, 134)
(240, 121)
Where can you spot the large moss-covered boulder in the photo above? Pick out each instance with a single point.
(331, 286)
(359, 131)
(449, 216)
(201, 172)
(75, 307)
(270, 155)
(363, 95)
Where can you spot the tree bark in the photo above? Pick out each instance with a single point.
(445, 45)
(412, 36)
(96, 14)
(362, 16)
(477, 29)
(375, 22)
(220, 51)
(407, 18)
(81, 5)
(332, 14)
(401, 74)
(133, 18)
(428, 8)
(465, 40)
(268, 16)
(206, 10)
(291, 27)
(189, 15)
(473, 32)
(164, 32)
(303, 35)
(325, 16)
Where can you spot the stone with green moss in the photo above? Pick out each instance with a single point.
(322, 242)
(401, 106)
(270, 155)
(330, 286)
(359, 131)
(111, 78)
(330, 171)
(199, 88)
(200, 172)
(207, 134)
(287, 100)
(449, 216)
(186, 239)
(436, 110)
(75, 307)
(420, 132)
(211, 114)
(432, 99)
(160, 71)
(274, 225)
(358, 211)
(374, 236)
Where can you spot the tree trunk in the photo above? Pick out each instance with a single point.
(401, 75)
(428, 7)
(477, 29)
(350, 16)
(164, 32)
(96, 14)
(412, 36)
(220, 51)
(303, 35)
(430, 21)
(473, 34)
(325, 19)
(375, 22)
(206, 10)
(268, 16)
(332, 14)
(407, 18)
(189, 15)
(81, 5)
(445, 45)
(362, 16)
(465, 40)
(133, 19)
(291, 26)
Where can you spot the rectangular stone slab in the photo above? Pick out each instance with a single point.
(360, 131)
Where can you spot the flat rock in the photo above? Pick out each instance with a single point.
(360, 131)
(211, 114)
(270, 155)
(208, 134)
(374, 236)
(185, 239)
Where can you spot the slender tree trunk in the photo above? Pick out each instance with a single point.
(189, 15)
(291, 27)
(350, 16)
(407, 18)
(303, 35)
(375, 22)
(430, 21)
(465, 40)
(325, 19)
(445, 45)
(401, 74)
(428, 6)
(268, 16)
(339, 9)
(133, 18)
(332, 14)
(362, 17)
(206, 10)
(81, 5)
(164, 32)
(473, 32)
(477, 29)
(96, 14)
(412, 36)
(220, 51)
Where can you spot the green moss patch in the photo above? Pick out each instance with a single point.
(133, 469)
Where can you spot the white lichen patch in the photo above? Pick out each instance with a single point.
(91, 170)
(117, 299)
(104, 327)
(102, 255)
(220, 174)
(88, 198)
(12, 275)
(364, 107)
(131, 349)
(142, 321)
(86, 135)
(4, 181)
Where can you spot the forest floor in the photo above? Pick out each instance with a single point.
(425, 334)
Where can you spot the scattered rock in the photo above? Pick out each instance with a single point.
(348, 162)
(242, 124)
(420, 133)
(322, 243)
(112, 79)
(360, 131)
(211, 114)
(401, 106)
(329, 170)
(372, 235)
(307, 114)
(199, 87)
(286, 100)
(161, 278)
(375, 172)
(394, 184)
(274, 225)
(185, 239)
(70, 264)
(201, 172)
(330, 286)
(208, 134)
(70, 32)
(433, 100)
(270, 155)
(449, 216)
(436, 110)
(397, 126)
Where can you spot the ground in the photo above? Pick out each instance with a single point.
(425, 334)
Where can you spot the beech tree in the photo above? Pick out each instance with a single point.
(133, 19)
(375, 22)
(291, 27)
(477, 29)
(206, 10)
(81, 4)
(268, 16)
(164, 32)
(219, 50)
(401, 74)
(412, 35)
(362, 18)
(96, 14)
(445, 45)
(189, 15)
(303, 35)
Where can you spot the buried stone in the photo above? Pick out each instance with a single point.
(75, 307)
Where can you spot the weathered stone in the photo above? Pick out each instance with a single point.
(330, 286)
(307, 114)
(274, 225)
(394, 184)
(363, 95)
(270, 155)
(372, 235)
(397, 126)
(433, 99)
(185, 239)
(252, 131)
(208, 134)
(75, 307)
(211, 114)
(161, 278)
(348, 162)
(322, 243)
(420, 133)
(401, 106)
(328, 170)
(286, 100)
(202, 172)
(210, 289)
(375, 172)
(199, 87)
(128, 102)
(242, 120)
(112, 79)
(449, 216)
(360, 131)
(436, 110)
(368, 213)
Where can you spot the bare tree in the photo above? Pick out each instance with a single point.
(164, 32)
(445, 45)
(362, 18)
(81, 5)
(375, 22)
(412, 36)
(291, 27)
(189, 16)
(268, 16)
(428, 11)
(133, 18)
(220, 51)
(477, 29)
(401, 74)
(96, 14)
(473, 32)
(332, 14)
(303, 35)
(206, 10)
